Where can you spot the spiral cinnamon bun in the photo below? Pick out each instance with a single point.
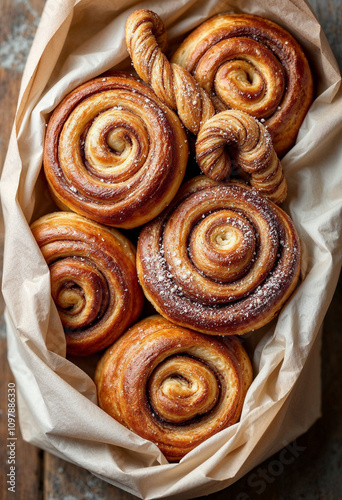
(93, 279)
(114, 153)
(221, 259)
(252, 64)
(173, 386)
(236, 137)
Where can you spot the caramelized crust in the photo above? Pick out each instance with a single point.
(221, 259)
(114, 153)
(93, 279)
(249, 63)
(173, 386)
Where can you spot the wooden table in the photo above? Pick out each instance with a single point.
(316, 471)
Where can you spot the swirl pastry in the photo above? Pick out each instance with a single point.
(250, 146)
(221, 259)
(114, 153)
(146, 39)
(173, 386)
(93, 279)
(249, 63)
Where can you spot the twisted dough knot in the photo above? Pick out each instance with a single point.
(114, 153)
(146, 39)
(221, 259)
(173, 386)
(93, 279)
(249, 63)
(251, 148)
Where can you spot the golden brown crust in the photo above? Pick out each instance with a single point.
(146, 39)
(221, 259)
(173, 386)
(114, 153)
(250, 63)
(93, 279)
(235, 136)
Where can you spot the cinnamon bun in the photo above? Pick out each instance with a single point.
(222, 259)
(250, 63)
(173, 386)
(93, 279)
(114, 153)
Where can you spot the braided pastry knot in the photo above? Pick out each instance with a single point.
(173, 386)
(114, 153)
(145, 38)
(93, 279)
(252, 64)
(221, 259)
(250, 147)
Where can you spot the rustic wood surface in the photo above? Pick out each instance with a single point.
(316, 471)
